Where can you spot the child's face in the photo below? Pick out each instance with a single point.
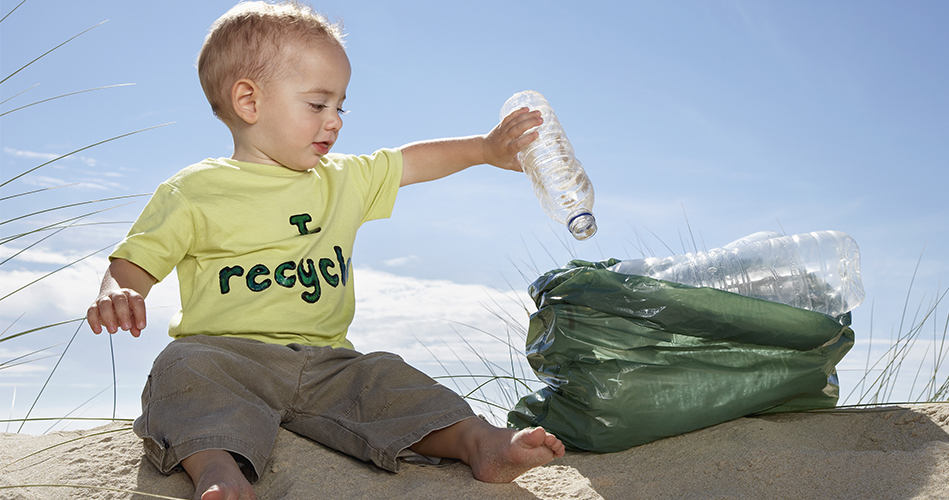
(299, 116)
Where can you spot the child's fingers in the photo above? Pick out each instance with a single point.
(520, 121)
(123, 311)
(104, 312)
(524, 139)
(137, 305)
(92, 317)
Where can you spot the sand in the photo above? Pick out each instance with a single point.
(893, 453)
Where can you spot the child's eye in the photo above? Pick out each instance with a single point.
(321, 107)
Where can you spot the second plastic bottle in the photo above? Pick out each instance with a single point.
(559, 181)
(818, 271)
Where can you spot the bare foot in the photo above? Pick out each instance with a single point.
(495, 455)
(216, 476)
(504, 454)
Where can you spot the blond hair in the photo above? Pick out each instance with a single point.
(251, 41)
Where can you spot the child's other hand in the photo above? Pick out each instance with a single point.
(120, 308)
(121, 300)
(504, 141)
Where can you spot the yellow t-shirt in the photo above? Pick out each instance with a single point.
(263, 252)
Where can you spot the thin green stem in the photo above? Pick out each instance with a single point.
(10, 363)
(56, 271)
(50, 50)
(70, 205)
(18, 93)
(79, 150)
(115, 394)
(41, 190)
(17, 254)
(68, 222)
(11, 12)
(64, 95)
(74, 410)
(61, 356)
(44, 327)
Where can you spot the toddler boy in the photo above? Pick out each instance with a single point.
(262, 244)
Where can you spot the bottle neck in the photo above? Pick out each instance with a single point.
(582, 224)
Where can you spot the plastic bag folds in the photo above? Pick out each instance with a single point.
(630, 359)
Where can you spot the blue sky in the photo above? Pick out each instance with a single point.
(698, 123)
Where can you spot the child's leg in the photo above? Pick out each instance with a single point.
(375, 406)
(206, 395)
(216, 476)
(495, 455)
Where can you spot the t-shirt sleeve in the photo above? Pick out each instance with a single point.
(161, 236)
(380, 175)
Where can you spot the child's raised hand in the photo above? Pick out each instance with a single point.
(507, 138)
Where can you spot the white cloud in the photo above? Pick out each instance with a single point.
(44, 181)
(400, 261)
(96, 181)
(32, 155)
(89, 179)
(43, 256)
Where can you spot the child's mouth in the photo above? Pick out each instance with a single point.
(322, 147)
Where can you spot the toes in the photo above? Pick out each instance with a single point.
(534, 437)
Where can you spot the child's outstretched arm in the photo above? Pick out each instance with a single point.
(121, 300)
(430, 160)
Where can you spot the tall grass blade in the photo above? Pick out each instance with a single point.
(44, 327)
(17, 254)
(50, 50)
(12, 406)
(18, 318)
(12, 11)
(4, 183)
(10, 363)
(74, 410)
(689, 226)
(51, 372)
(70, 205)
(115, 394)
(14, 96)
(42, 190)
(69, 223)
(671, 251)
(437, 360)
(64, 95)
(56, 271)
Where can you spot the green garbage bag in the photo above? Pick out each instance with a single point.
(631, 359)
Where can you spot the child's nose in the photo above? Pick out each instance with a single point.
(335, 123)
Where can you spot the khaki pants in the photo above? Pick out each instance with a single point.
(233, 394)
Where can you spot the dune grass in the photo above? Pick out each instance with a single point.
(29, 229)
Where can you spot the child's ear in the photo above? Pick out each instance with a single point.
(245, 97)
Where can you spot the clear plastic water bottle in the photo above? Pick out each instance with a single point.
(818, 271)
(559, 181)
